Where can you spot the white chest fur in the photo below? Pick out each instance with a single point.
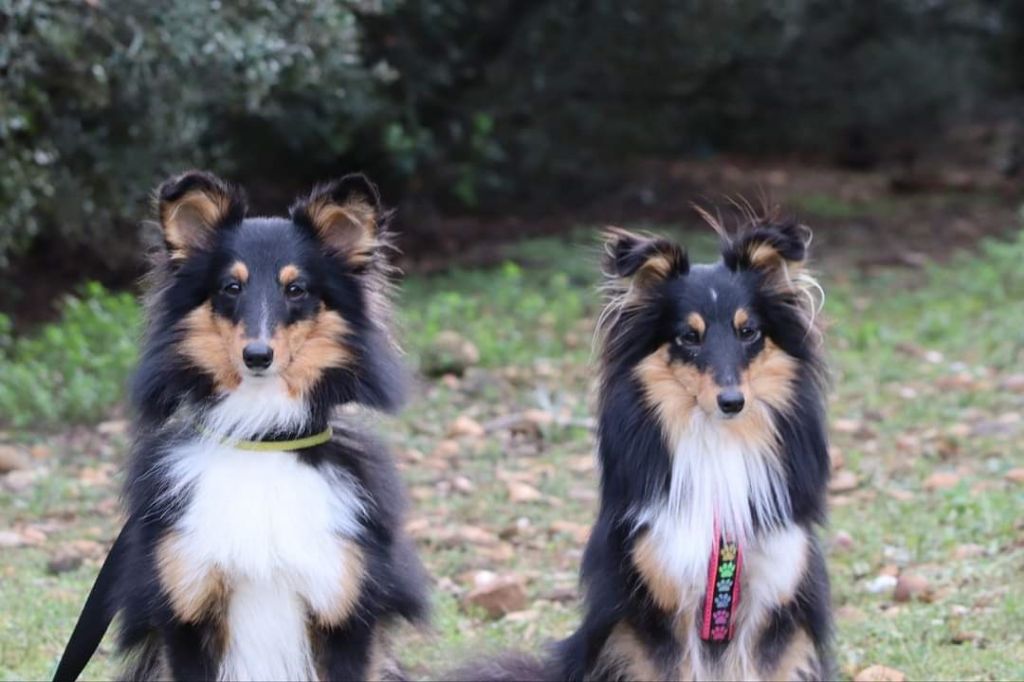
(715, 484)
(716, 481)
(274, 528)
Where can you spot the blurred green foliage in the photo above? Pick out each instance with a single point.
(73, 370)
(451, 103)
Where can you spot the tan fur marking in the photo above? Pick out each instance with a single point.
(625, 657)
(696, 323)
(764, 256)
(211, 343)
(740, 318)
(657, 265)
(664, 591)
(767, 382)
(192, 596)
(309, 347)
(288, 274)
(302, 350)
(240, 272)
(798, 662)
(352, 579)
(674, 389)
(189, 221)
(348, 228)
(770, 377)
(671, 389)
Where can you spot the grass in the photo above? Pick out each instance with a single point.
(921, 362)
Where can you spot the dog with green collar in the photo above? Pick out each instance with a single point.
(264, 537)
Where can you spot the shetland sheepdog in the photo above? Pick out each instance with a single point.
(704, 562)
(264, 539)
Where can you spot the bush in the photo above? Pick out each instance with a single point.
(103, 100)
(466, 104)
(73, 370)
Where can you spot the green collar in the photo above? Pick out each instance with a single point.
(272, 445)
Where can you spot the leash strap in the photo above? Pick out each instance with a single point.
(723, 590)
(95, 617)
(271, 445)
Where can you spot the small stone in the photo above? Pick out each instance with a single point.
(941, 480)
(418, 528)
(465, 426)
(476, 536)
(836, 457)
(1013, 383)
(882, 583)
(1015, 475)
(582, 464)
(462, 484)
(538, 417)
(843, 482)
(450, 353)
(843, 541)
(964, 636)
(522, 492)
(968, 551)
(910, 586)
(19, 481)
(480, 578)
(63, 562)
(88, 549)
(412, 455)
(579, 532)
(13, 459)
(908, 442)
(114, 427)
(879, 673)
(842, 425)
(446, 449)
(562, 595)
(33, 536)
(9, 538)
(850, 614)
(900, 494)
(499, 595)
(501, 553)
(890, 569)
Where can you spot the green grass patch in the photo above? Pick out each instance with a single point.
(918, 360)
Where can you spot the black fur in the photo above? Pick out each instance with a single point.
(636, 465)
(168, 392)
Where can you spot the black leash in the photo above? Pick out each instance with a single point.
(95, 617)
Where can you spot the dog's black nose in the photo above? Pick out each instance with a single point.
(258, 355)
(730, 401)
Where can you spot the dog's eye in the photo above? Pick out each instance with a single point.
(688, 338)
(294, 291)
(232, 288)
(749, 334)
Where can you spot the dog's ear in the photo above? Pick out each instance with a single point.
(771, 248)
(345, 215)
(643, 261)
(192, 206)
